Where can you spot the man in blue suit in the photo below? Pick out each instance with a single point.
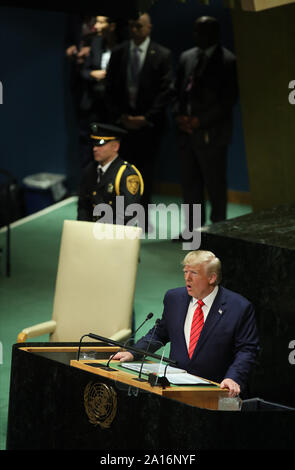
(224, 343)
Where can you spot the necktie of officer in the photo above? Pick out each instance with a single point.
(99, 174)
(196, 328)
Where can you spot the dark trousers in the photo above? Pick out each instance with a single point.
(203, 168)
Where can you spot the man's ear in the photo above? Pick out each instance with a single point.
(113, 27)
(212, 278)
(116, 145)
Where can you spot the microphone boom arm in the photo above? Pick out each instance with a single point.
(131, 348)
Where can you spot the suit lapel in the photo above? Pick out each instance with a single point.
(217, 310)
(98, 51)
(150, 55)
(209, 62)
(189, 69)
(184, 306)
(182, 312)
(192, 63)
(124, 64)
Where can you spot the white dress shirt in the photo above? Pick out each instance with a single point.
(105, 58)
(208, 301)
(142, 48)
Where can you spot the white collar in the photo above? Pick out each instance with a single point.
(105, 167)
(209, 299)
(143, 47)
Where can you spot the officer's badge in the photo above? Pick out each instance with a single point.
(110, 188)
(132, 184)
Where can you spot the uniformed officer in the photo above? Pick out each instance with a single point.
(107, 177)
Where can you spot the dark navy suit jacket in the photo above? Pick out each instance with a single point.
(154, 87)
(213, 96)
(228, 343)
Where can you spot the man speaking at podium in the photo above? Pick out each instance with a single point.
(212, 330)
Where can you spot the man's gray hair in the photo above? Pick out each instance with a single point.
(213, 264)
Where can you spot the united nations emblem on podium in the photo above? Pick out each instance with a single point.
(100, 402)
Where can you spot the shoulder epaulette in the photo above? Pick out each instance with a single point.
(119, 177)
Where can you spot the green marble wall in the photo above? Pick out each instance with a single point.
(265, 49)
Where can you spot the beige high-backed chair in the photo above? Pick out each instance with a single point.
(95, 283)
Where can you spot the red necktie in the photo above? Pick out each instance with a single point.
(197, 325)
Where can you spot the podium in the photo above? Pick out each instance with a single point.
(201, 396)
(59, 403)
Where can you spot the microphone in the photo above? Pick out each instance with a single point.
(154, 379)
(131, 348)
(147, 349)
(148, 317)
(79, 348)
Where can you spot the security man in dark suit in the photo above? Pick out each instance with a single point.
(107, 177)
(138, 91)
(206, 91)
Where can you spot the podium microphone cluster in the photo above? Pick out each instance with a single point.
(139, 378)
(148, 317)
(90, 335)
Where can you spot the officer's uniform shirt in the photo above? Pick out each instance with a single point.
(118, 178)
